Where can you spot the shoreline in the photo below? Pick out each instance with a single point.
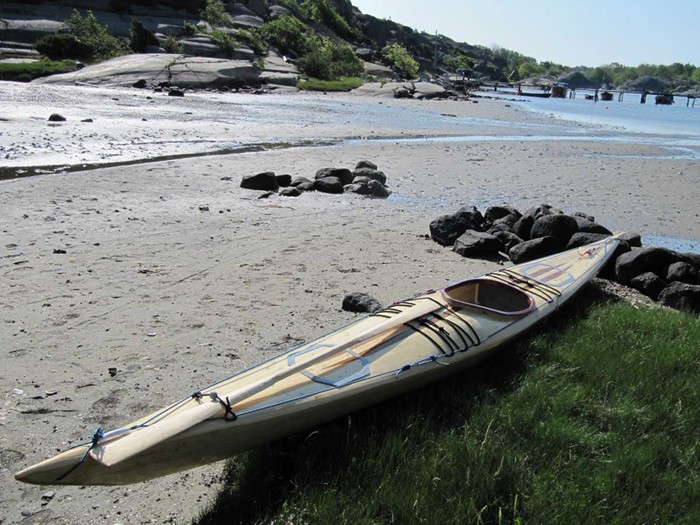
(176, 277)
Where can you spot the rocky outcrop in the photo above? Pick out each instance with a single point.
(175, 70)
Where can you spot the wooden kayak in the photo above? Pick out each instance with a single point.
(400, 348)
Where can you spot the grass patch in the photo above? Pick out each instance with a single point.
(341, 84)
(593, 420)
(27, 71)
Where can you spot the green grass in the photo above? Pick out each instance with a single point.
(594, 418)
(341, 84)
(27, 71)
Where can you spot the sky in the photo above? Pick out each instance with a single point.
(581, 33)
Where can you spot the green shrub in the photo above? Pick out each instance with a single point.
(27, 71)
(403, 63)
(253, 39)
(215, 13)
(287, 33)
(189, 28)
(63, 46)
(341, 84)
(458, 63)
(323, 12)
(140, 37)
(326, 60)
(226, 42)
(172, 45)
(94, 34)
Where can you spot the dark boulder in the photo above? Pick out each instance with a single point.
(508, 239)
(473, 217)
(543, 209)
(586, 226)
(691, 258)
(523, 226)
(477, 244)
(508, 220)
(299, 180)
(632, 238)
(446, 228)
(174, 92)
(305, 186)
(559, 226)
(284, 180)
(371, 174)
(608, 271)
(377, 189)
(360, 302)
(681, 296)
(366, 164)
(261, 181)
(55, 117)
(328, 185)
(584, 238)
(499, 227)
(290, 192)
(493, 213)
(584, 216)
(642, 260)
(534, 249)
(683, 272)
(649, 284)
(344, 175)
(361, 188)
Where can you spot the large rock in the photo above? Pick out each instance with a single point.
(691, 258)
(360, 302)
(559, 226)
(290, 192)
(344, 175)
(682, 272)
(508, 239)
(534, 249)
(473, 217)
(447, 228)
(649, 284)
(299, 180)
(370, 173)
(177, 70)
(361, 188)
(632, 238)
(284, 180)
(543, 209)
(582, 239)
(681, 296)
(365, 164)
(493, 213)
(328, 185)
(261, 181)
(523, 227)
(477, 244)
(377, 189)
(634, 263)
(587, 226)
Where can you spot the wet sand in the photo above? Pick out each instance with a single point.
(176, 277)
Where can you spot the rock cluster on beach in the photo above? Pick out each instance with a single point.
(664, 275)
(365, 179)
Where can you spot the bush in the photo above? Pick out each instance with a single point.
(172, 45)
(341, 84)
(287, 33)
(92, 33)
(27, 71)
(253, 39)
(225, 41)
(62, 46)
(326, 60)
(398, 58)
(215, 13)
(189, 28)
(323, 12)
(140, 37)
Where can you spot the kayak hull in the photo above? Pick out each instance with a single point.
(469, 321)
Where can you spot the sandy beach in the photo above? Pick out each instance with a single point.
(172, 275)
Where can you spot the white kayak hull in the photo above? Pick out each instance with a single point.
(368, 361)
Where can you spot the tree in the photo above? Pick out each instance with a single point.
(402, 62)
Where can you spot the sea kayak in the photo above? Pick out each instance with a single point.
(405, 346)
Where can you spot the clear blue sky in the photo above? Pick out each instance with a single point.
(590, 33)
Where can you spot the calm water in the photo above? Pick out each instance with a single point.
(628, 115)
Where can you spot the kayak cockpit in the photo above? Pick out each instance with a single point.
(490, 295)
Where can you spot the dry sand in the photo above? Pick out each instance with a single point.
(175, 277)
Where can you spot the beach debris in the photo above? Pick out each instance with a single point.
(203, 208)
(55, 117)
(112, 371)
(360, 302)
(48, 496)
(59, 251)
